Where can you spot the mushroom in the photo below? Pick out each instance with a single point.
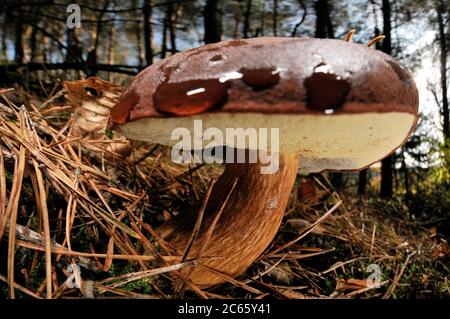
(338, 106)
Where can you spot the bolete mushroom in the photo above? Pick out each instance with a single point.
(338, 106)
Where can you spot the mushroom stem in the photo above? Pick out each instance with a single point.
(248, 223)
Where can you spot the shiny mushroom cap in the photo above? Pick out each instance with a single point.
(338, 105)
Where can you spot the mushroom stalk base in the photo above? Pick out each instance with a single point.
(247, 225)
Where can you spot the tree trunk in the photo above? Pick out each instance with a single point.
(405, 175)
(111, 52)
(262, 18)
(362, 181)
(275, 17)
(337, 180)
(140, 49)
(148, 32)
(33, 44)
(212, 22)
(4, 54)
(237, 24)
(74, 51)
(395, 180)
(18, 45)
(170, 16)
(440, 10)
(164, 39)
(324, 27)
(299, 23)
(247, 17)
(386, 164)
(92, 57)
(32, 40)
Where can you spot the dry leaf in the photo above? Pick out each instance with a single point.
(92, 100)
(351, 284)
(306, 192)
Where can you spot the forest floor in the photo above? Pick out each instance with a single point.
(95, 200)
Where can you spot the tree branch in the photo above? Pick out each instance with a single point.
(301, 20)
(35, 66)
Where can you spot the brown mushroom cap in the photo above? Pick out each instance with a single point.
(339, 105)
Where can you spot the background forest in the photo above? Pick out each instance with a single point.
(395, 214)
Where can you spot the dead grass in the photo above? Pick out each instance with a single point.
(73, 196)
